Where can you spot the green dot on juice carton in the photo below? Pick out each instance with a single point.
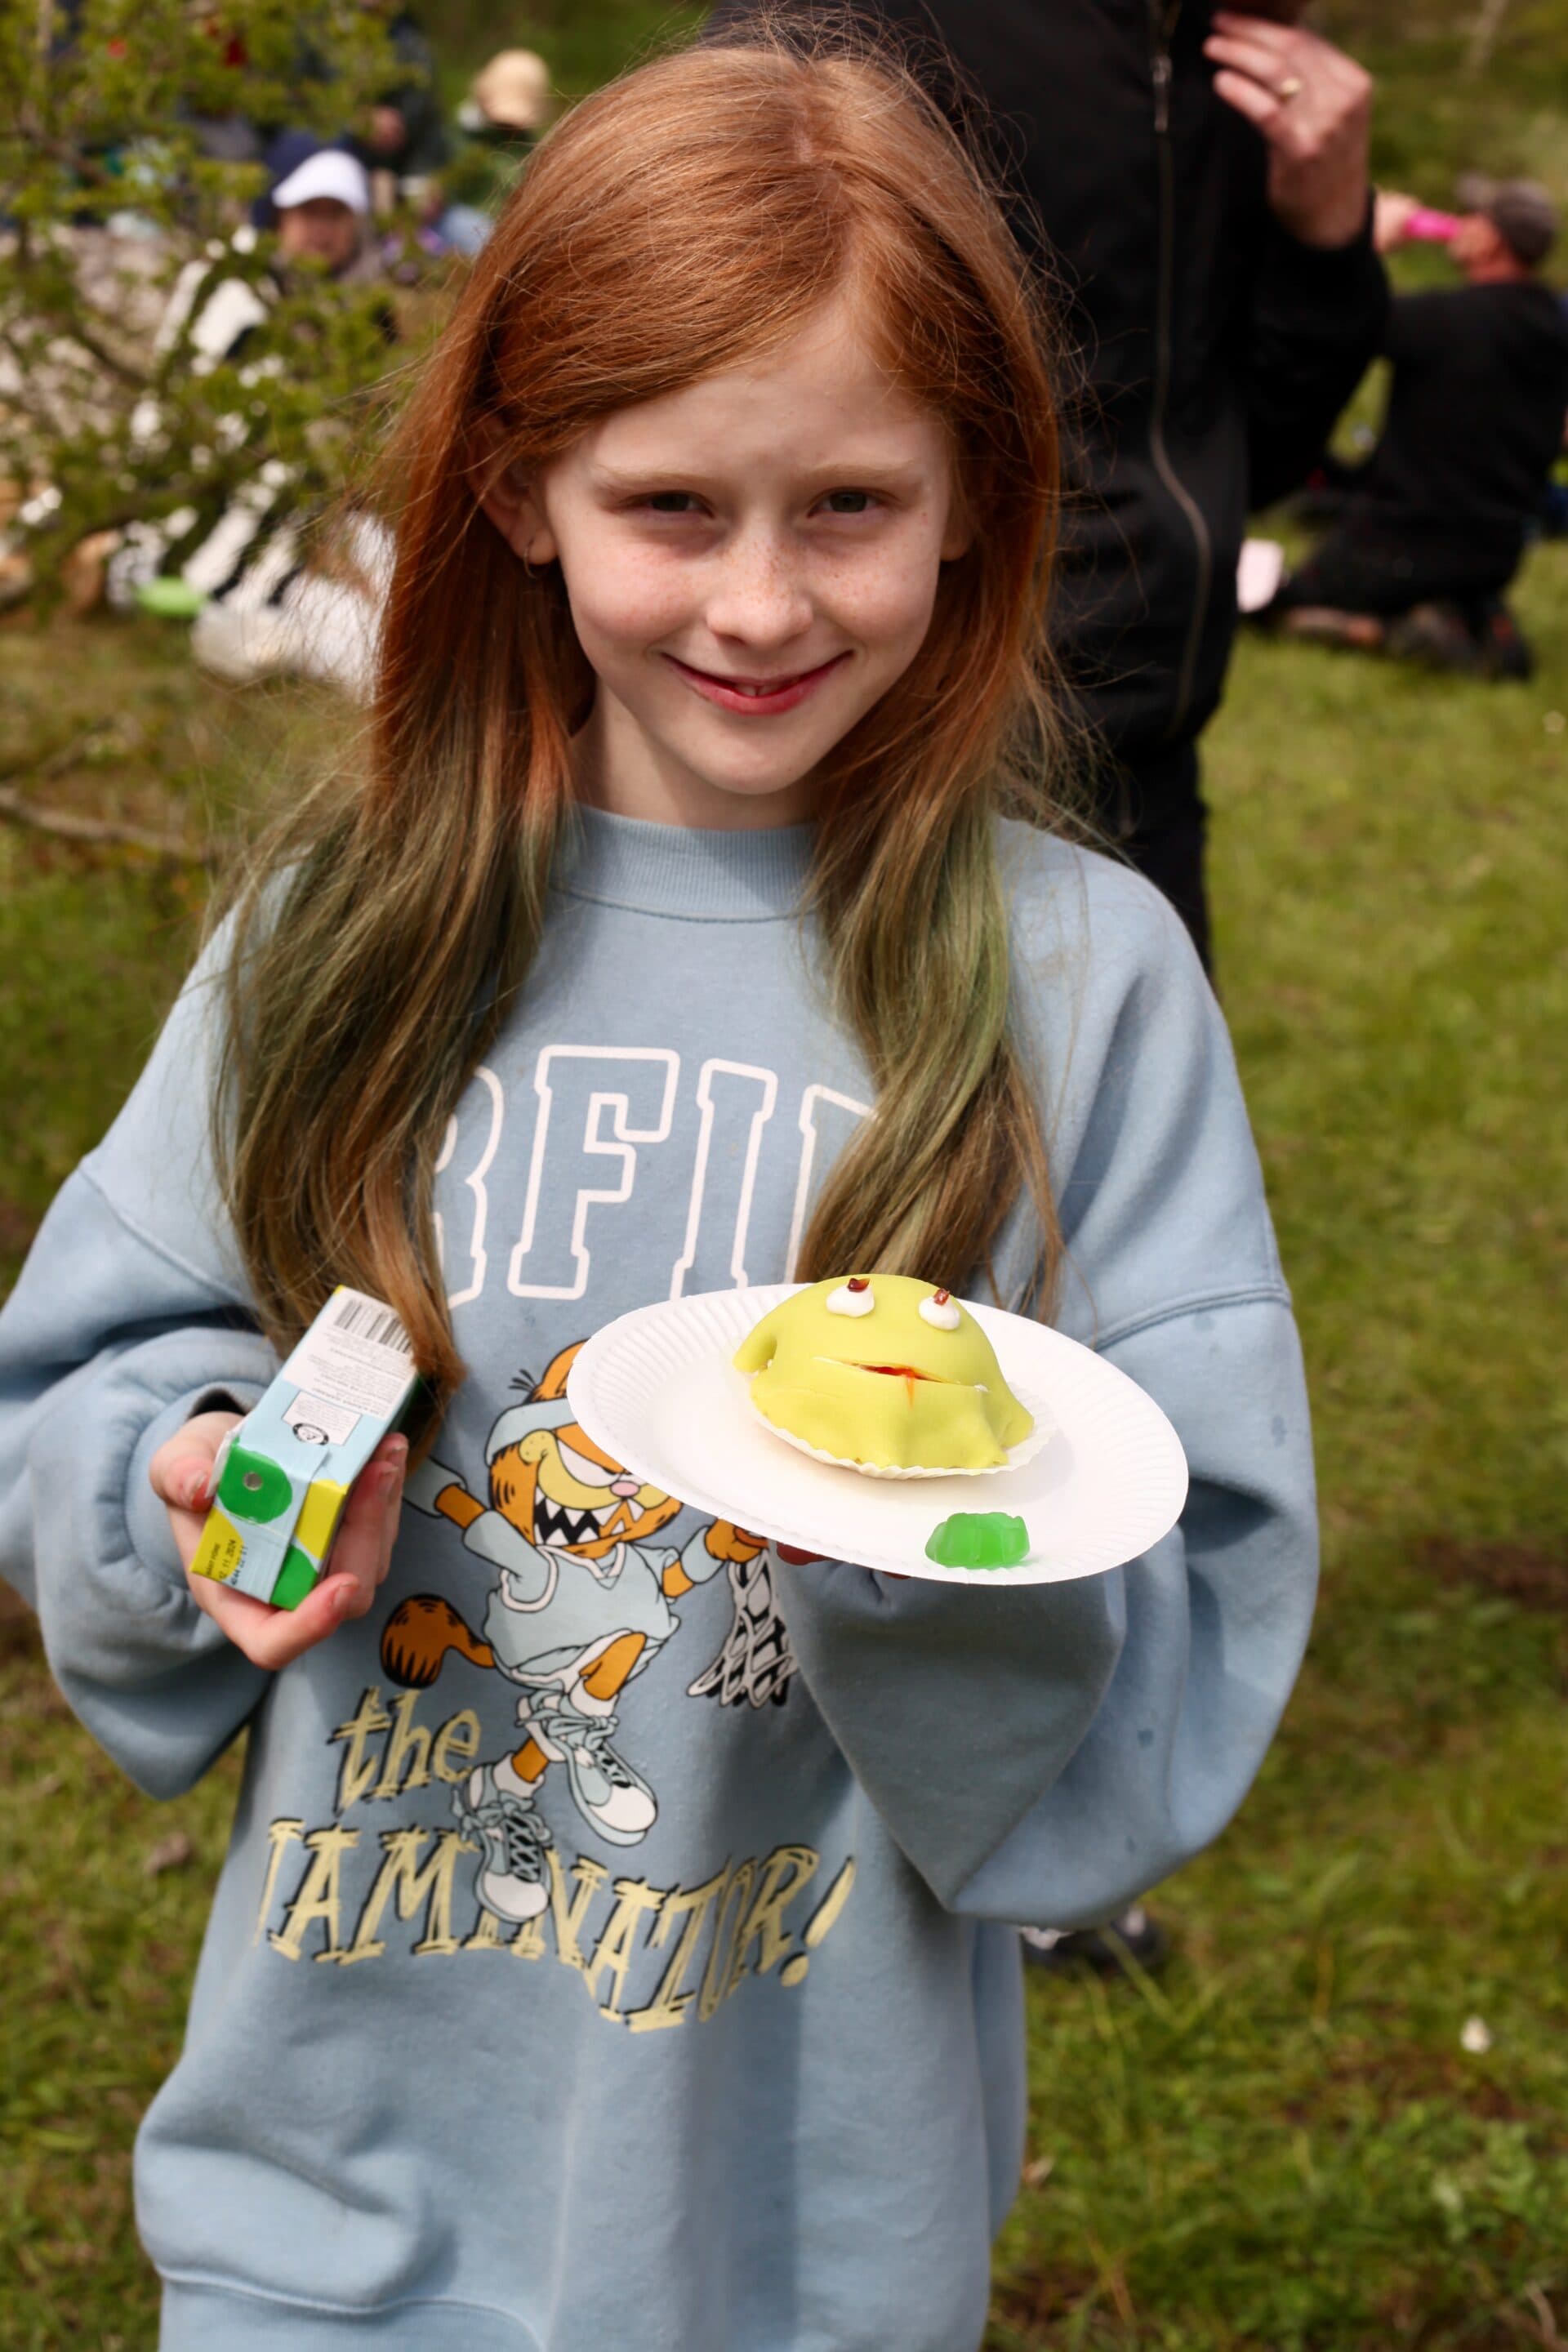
(252, 1487)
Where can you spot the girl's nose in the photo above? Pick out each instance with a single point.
(759, 600)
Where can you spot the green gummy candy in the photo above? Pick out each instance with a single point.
(979, 1540)
(253, 1488)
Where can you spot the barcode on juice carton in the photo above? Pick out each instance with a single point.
(367, 1319)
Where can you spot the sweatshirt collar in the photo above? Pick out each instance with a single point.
(672, 869)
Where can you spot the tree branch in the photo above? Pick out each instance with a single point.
(69, 824)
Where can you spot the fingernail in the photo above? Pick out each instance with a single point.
(389, 1477)
(192, 1489)
(341, 1598)
(400, 1451)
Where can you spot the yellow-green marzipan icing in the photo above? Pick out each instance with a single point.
(909, 1383)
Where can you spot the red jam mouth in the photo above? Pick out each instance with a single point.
(908, 1373)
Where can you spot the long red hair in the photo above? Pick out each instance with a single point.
(686, 218)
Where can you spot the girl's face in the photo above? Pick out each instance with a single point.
(751, 564)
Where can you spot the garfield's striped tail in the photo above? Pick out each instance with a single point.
(417, 1635)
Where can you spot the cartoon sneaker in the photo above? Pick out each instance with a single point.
(495, 1808)
(618, 1800)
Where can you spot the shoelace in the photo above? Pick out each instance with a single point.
(523, 1836)
(595, 1738)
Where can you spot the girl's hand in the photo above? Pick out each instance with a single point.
(181, 1475)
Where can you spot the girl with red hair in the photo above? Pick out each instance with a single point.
(700, 914)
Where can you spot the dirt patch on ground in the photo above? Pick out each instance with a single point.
(1535, 1575)
(18, 1627)
(1031, 2303)
(17, 1226)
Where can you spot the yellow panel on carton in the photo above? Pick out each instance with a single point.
(319, 1516)
(220, 1550)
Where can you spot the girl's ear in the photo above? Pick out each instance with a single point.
(958, 532)
(509, 498)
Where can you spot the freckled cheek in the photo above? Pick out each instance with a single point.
(885, 598)
(628, 597)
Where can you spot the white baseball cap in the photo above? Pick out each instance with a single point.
(328, 173)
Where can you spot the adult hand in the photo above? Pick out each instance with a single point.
(1313, 107)
(181, 1473)
(1391, 216)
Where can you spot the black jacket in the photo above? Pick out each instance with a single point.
(1474, 422)
(1215, 351)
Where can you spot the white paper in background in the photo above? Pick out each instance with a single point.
(658, 1391)
(1258, 573)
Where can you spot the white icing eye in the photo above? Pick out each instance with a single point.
(939, 1309)
(852, 1297)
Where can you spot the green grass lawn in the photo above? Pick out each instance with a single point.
(1284, 2142)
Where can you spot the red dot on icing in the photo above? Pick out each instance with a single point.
(858, 1282)
(942, 1297)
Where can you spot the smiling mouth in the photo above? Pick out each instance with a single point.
(755, 697)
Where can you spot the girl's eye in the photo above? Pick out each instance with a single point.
(848, 502)
(671, 502)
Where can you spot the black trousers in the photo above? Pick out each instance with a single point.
(1153, 809)
(1361, 567)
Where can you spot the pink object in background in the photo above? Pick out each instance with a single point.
(1428, 228)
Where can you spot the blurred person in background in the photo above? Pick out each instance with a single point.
(405, 135)
(507, 106)
(234, 564)
(1201, 178)
(1436, 520)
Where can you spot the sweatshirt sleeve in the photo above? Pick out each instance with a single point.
(1043, 1755)
(129, 1317)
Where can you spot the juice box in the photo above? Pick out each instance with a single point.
(283, 1474)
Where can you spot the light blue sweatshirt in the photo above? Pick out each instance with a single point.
(613, 1949)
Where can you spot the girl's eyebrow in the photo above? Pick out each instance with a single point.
(617, 481)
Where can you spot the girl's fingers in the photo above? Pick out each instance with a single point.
(181, 1475)
(273, 1638)
(186, 1483)
(180, 1472)
(395, 1520)
(364, 1547)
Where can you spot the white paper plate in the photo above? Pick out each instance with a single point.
(658, 1391)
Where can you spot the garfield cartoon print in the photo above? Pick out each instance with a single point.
(579, 1606)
